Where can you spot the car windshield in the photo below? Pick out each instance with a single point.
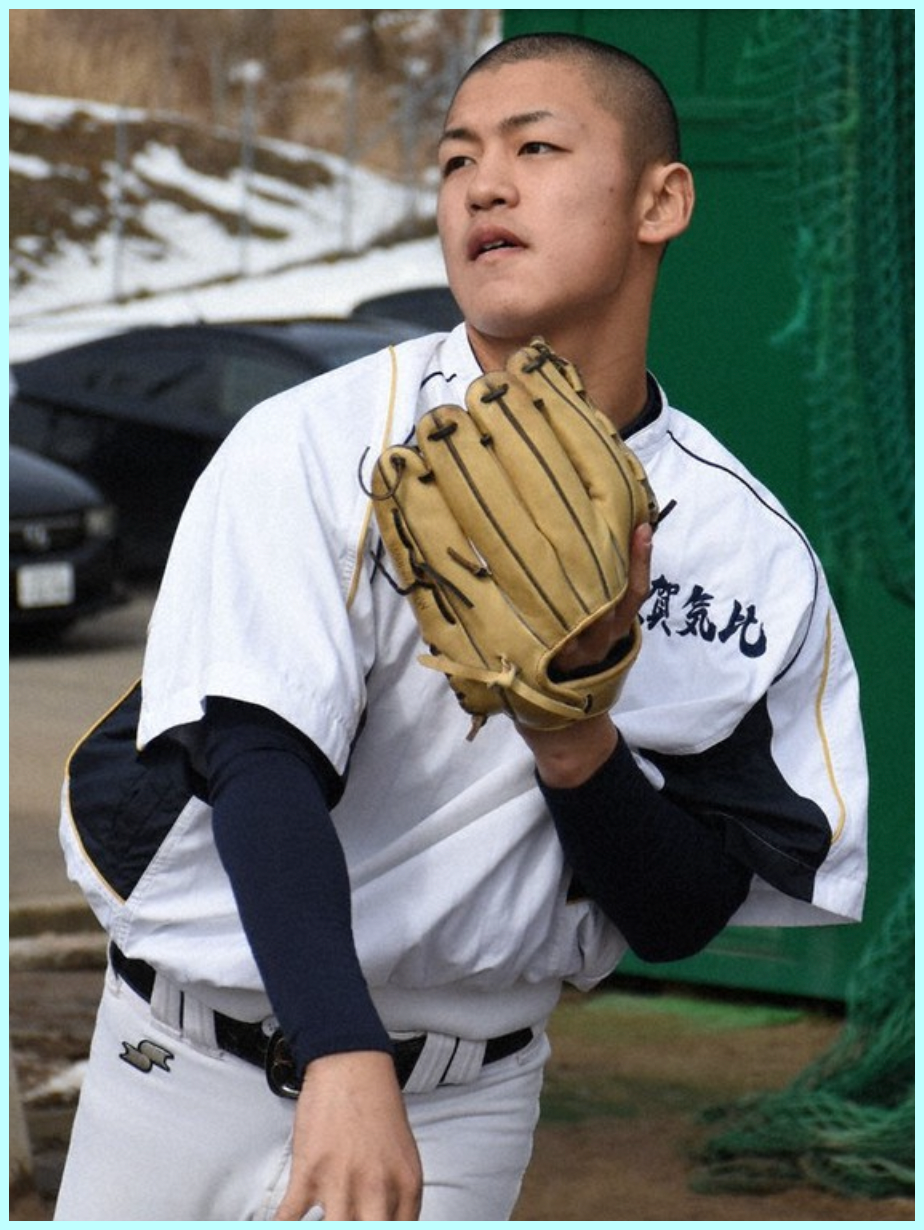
(244, 380)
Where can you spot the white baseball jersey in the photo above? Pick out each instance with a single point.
(274, 595)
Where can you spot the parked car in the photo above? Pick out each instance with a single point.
(63, 544)
(431, 307)
(140, 413)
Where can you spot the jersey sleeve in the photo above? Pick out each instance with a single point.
(788, 783)
(255, 603)
(744, 703)
(816, 743)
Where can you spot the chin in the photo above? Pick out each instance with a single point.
(505, 338)
(503, 322)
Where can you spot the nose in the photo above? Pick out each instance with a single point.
(491, 185)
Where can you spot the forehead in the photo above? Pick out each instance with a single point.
(559, 88)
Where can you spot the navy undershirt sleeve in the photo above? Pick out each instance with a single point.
(662, 875)
(269, 788)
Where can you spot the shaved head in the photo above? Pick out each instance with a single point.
(622, 85)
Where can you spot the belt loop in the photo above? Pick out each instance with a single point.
(199, 1023)
(167, 1004)
(466, 1063)
(434, 1059)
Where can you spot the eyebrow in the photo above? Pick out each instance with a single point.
(510, 123)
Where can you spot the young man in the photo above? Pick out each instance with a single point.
(404, 903)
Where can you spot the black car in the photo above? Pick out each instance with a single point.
(140, 413)
(63, 545)
(433, 307)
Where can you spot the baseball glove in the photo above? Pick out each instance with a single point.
(509, 527)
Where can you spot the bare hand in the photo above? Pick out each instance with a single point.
(353, 1152)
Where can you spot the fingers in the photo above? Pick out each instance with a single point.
(640, 568)
(352, 1204)
(351, 1197)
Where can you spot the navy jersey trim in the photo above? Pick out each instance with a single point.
(124, 802)
(438, 375)
(779, 834)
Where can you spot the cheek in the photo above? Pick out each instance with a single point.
(584, 209)
(598, 240)
(609, 216)
(445, 213)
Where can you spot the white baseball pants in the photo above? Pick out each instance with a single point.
(200, 1137)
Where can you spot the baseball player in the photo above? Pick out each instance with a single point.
(330, 983)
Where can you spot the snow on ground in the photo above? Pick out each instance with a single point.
(323, 289)
(63, 1085)
(41, 109)
(196, 270)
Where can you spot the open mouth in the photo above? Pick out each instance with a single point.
(481, 246)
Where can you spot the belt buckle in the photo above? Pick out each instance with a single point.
(281, 1072)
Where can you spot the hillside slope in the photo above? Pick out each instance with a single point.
(121, 206)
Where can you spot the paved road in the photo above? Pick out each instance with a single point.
(57, 690)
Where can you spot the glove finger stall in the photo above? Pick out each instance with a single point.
(612, 475)
(455, 598)
(489, 508)
(550, 488)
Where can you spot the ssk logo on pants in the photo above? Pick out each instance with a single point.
(146, 1055)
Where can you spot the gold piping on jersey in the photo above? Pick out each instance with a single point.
(825, 746)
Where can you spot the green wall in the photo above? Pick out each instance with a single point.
(728, 291)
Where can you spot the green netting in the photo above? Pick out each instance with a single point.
(838, 89)
(837, 120)
(846, 1123)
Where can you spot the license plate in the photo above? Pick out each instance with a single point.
(45, 585)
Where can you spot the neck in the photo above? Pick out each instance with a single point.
(606, 338)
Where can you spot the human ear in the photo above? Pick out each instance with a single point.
(667, 198)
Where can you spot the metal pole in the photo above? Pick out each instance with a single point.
(409, 107)
(350, 154)
(249, 74)
(118, 203)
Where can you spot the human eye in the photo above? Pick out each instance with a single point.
(454, 163)
(538, 147)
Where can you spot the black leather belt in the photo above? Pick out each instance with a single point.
(248, 1040)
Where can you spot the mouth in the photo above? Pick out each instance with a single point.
(494, 241)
